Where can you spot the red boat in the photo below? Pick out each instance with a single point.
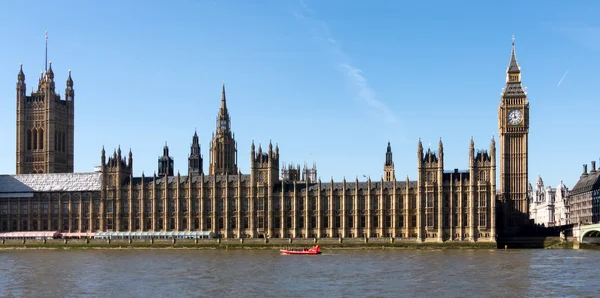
(302, 251)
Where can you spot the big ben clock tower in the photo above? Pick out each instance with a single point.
(513, 126)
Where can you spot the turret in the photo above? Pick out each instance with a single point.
(388, 166)
(420, 154)
(103, 160)
(165, 163)
(195, 163)
(69, 91)
(130, 160)
(471, 152)
(21, 87)
(440, 154)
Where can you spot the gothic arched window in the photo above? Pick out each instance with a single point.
(34, 139)
(41, 138)
(29, 136)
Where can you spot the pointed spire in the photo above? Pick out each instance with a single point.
(69, 80)
(21, 75)
(513, 67)
(223, 98)
(389, 147)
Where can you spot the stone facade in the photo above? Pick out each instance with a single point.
(44, 126)
(548, 206)
(584, 198)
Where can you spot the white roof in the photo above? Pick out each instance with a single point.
(28, 183)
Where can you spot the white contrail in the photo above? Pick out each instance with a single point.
(563, 77)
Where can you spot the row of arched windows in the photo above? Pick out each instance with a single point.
(59, 141)
(35, 140)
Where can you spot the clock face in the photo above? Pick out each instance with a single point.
(515, 117)
(224, 124)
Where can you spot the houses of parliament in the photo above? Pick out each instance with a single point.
(274, 199)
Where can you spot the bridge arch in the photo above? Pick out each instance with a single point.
(591, 236)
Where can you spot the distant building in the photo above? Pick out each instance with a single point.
(549, 206)
(584, 198)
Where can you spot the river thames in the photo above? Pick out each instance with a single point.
(265, 273)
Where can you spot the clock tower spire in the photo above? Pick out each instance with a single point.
(513, 127)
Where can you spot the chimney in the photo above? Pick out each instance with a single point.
(593, 166)
(584, 169)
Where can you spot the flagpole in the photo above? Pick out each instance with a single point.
(46, 62)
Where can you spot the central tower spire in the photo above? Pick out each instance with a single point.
(223, 150)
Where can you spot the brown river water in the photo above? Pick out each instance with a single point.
(265, 273)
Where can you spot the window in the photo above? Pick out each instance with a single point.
(363, 221)
(429, 201)
(148, 206)
(208, 205)
(429, 217)
(160, 206)
(288, 204)
(313, 222)
(376, 221)
(482, 199)
(261, 204)
(375, 203)
(362, 203)
(301, 222)
(288, 222)
(326, 203)
(260, 222)
(245, 205)
(337, 203)
(29, 136)
(171, 206)
(351, 222)
(233, 223)
(482, 219)
(41, 137)
(184, 205)
(326, 222)
(246, 222)
(276, 222)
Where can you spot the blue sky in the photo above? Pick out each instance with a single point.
(330, 81)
